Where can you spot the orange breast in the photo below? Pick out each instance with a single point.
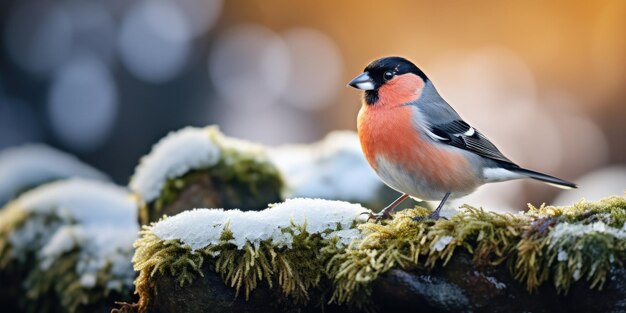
(389, 132)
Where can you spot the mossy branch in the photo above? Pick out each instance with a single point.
(295, 270)
(563, 244)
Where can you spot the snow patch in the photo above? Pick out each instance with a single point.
(566, 230)
(203, 227)
(88, 280)
(97, 219)
(33, 164)
(562, 256)
(442, 243)
(184, 150)
(87, 202)
(174, 155)
(62, 241)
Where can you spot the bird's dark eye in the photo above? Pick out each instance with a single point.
(388, 75)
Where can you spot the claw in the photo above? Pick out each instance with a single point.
(377, 216)
(435, 215)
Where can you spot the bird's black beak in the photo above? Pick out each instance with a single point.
(363, 82)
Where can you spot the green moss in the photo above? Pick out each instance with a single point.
(527, 243)
(611, 211)
(11, 218)
(407, 244)
(240, 179)
(14, 218)
(56, 288)
(294, 270)
(558, 244)
(590, 254)
(13, 264)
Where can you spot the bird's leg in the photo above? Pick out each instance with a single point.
(386, 212)
(435, 214)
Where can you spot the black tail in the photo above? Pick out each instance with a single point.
(557, 182)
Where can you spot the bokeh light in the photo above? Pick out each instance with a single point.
(598, 184)
(272, 126)
(38, 36)
(608, 49)
(154, 40)
(316, 69)
(93, 28)
(249, 67)
(201, 14)
(545, 85)
(82, 103)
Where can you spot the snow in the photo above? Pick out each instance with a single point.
(566, 230)
(569, 231)
(88, 280)
(333, 168)
(578, 272)
(174, 155)
(98, 219)
(442, 243)
(179, 152)
(88, 202)
(33, 164)
(494, 281)
(62, 241)
(203, 227)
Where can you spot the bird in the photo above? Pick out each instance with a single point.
(419, 145)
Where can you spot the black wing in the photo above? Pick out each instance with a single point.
(461, 135)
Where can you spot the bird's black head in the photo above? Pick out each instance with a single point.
(379, 72)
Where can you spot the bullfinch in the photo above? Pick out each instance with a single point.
(419, 145)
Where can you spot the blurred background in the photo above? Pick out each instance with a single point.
(104, 80)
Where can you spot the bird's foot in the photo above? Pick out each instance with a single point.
(377, 217)
(432, 217)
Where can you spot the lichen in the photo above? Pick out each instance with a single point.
(557, 244)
